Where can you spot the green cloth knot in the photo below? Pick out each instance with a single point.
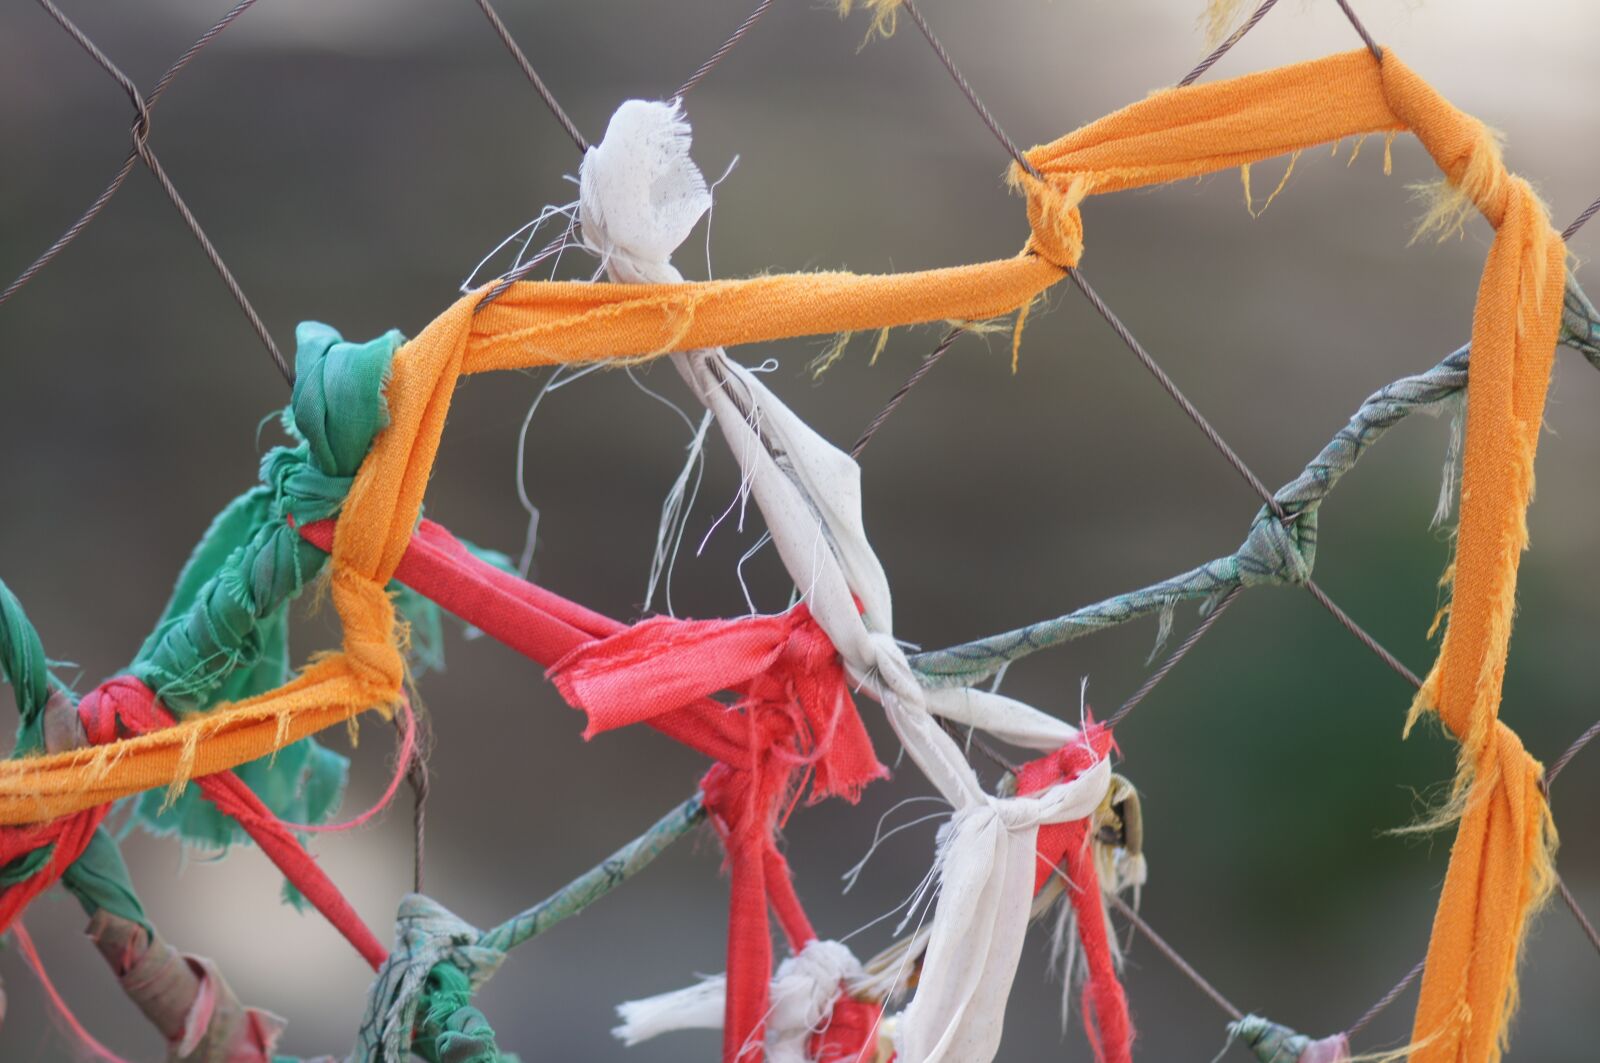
(1271, 1042)
(421, 1000)
(1278, 551)
(224, 635)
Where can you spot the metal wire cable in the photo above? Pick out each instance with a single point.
(1372, 45)
(1171, 662)
(1173, 391)
(727, 46)
(923, 369)
(1173, 956)
(1362, 635)
(1581, 220)
(1010, 145)
(1384, 1001)
(1577, 912)
(1222, 49)
(532, 75)
(1188, 79)
(1573, 750)
(122, 173)
(140, 133)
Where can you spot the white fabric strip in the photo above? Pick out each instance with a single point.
(640, 197)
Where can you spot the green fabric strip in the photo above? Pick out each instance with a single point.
(224, 634)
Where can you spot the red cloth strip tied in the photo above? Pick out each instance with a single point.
(124, 704)
(535, 622)
(547, 628)
(793, 716)
(69, 836)
(1067, 846)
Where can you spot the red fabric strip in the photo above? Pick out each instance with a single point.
(70, 835)
(129, 702)
(1068, 846)
(86, 1042)
(851, 1035)
(793, 721)
(794, 716)
(535, 622)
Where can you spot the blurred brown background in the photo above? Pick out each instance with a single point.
(353, 159)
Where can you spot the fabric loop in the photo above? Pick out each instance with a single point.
(1067, 849)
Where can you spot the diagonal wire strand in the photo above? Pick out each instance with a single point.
(1581, 220)
(1384, 1001)
(133, 156)
(1350, 14)
(1226, 46)
(141, 147)
(532, 75)
(100, 201)
(1171, 662)
(972, 97)
(727, 46)
(910, 8)
(923, 369)
(1173, 956)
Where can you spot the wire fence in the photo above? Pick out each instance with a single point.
(1283, 509)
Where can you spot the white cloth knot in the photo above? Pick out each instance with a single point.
(639, 193)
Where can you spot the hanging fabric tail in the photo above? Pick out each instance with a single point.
(1501, 862)
(1068, 849)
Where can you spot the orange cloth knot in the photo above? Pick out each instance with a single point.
(1053, 214)
(370, 646)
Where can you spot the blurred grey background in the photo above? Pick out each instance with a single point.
(353, 159)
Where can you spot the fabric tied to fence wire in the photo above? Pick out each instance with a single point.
(1500, 863)
(640, 194)
(1068, 849)
(794, 714)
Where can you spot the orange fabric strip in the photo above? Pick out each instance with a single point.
(1500, 863)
